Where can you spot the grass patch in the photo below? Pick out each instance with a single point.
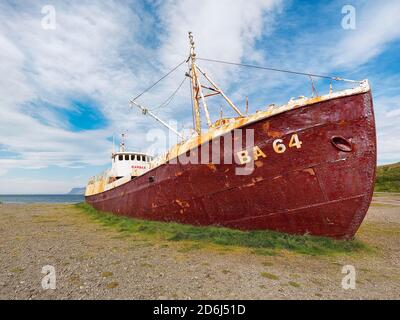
(378, 204)
(112, 285)
(107, 274)
(146, 265)
(262, 242)
(75, 280)
(265, 252)
(191, 247)
(294, 284)
(269, 276)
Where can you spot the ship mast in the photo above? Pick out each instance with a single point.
(197, 89)
(122, 143)
(198, 96)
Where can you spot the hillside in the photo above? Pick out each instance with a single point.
(388, 178)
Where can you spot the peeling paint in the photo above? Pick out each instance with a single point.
(310, 171)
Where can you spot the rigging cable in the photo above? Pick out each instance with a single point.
(162, 78)
(171, 97)
(278, 70)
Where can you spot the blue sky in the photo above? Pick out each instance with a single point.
(64, 92)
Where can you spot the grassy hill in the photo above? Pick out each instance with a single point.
(388, 178)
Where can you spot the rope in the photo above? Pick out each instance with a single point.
(162, 78)
(278, 70)
(171, 97)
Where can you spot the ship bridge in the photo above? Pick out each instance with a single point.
(127, 163)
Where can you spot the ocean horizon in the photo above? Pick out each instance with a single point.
(41, 198)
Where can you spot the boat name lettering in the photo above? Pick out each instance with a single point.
(246, 156)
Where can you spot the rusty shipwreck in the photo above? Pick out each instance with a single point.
(311, 166)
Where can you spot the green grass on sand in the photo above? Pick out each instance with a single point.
(256, 240)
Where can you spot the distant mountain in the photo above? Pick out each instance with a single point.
(77, 191)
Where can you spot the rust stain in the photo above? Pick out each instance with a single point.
(182, 204)
(274, 134)
(271, 133)
(212, 167)
(265, 126)
(310, 171)
(315, 100)
(258, 164)
(249, 185)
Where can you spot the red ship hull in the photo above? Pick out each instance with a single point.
(321, 188)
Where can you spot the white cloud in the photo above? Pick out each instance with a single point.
(223, 29)
(387, 113)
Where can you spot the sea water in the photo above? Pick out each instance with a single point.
(42, 198)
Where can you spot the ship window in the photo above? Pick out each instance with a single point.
(127, 157)
(132, 157)
(120, 157)
(143, 158)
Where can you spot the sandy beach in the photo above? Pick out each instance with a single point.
(93, 261)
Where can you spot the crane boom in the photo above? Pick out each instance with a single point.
(146, 111)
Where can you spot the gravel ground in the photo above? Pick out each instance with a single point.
(96, 262)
